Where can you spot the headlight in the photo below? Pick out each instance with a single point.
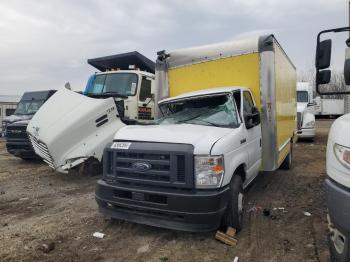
(343, 155)
(310, 124)
(209, 171)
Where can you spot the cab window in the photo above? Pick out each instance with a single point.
(146, 89)
(248, 103)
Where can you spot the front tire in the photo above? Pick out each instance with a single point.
(339, 247)
(233, 216)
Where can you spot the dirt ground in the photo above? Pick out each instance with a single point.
(39, 207)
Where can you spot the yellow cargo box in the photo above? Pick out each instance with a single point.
(258, 63)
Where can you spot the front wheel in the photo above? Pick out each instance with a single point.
(233, 216)
(339, 247)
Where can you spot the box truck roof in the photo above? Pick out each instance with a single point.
(204, 53)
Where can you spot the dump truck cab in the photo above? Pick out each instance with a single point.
(72, 129)
(305, 111)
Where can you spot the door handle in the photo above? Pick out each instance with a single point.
(243, 141)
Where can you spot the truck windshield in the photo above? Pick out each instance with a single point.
(28, 107)
(123, 84)
(302, 96)
(217, 111)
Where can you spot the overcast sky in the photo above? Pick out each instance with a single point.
(45, 43)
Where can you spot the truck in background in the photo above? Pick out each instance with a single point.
(188, 170)
(305, 111)
(17, 141)
(338, 153)
(329, 107)
(72, 129)
(8, 104)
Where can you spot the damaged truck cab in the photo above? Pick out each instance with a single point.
(72, 129)
(231, 113)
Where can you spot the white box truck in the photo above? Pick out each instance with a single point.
(338, 154)
(72, 129)
(232, 113)
(305, 111)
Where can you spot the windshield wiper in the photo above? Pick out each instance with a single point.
(109, 93)
(210, 123)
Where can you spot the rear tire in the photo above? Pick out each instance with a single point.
(233, 216)
(339, 247)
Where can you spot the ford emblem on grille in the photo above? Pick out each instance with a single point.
(141, 166)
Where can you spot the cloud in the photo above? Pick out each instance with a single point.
(46, 43)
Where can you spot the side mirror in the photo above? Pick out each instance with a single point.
(347, 66)
(323, 77)
(323, 54)
(252, 119)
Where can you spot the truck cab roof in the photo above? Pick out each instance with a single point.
(126, 71)
(37, 95)
(209, 91)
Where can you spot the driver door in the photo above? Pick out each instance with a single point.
(253, 136)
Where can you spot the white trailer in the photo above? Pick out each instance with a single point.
(329, 107)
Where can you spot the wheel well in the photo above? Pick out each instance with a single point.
(240, 171)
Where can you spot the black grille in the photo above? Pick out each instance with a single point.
(17, 132)
(160, 164)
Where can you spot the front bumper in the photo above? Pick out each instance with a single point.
(338, 202)
(21, 148)
(187, 210)
(306, 133)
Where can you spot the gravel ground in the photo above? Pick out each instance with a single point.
(47, 216)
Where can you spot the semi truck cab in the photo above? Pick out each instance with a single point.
(17, 141)
(178, 173)
(305, 111)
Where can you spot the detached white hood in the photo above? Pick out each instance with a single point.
(73, 126)
(201, 137)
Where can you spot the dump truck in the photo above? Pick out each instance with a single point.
(71, 129)
(17, 141)
(305, 111)
(231, 113)
(337, 183)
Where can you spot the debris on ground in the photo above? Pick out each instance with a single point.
(235, 259)
(254, 209)
(266, 212)
(228, 237)
(23, 198)
(98, 235)
(143, 249)
(308, 214)
(46, 248)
